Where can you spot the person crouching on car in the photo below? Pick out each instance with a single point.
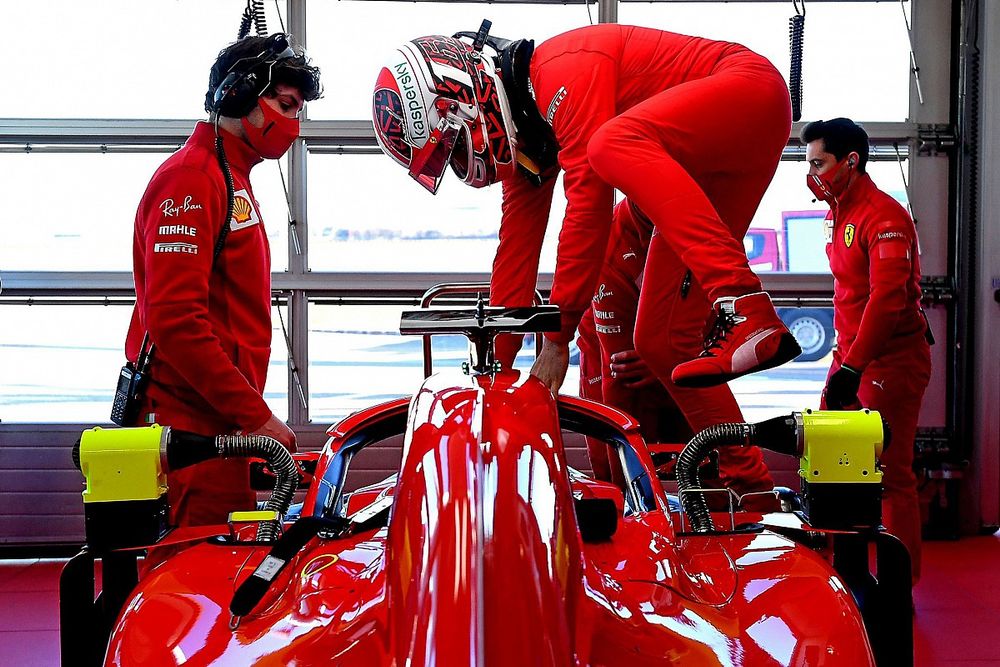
(689, 129)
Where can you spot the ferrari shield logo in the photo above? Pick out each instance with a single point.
(848, 235)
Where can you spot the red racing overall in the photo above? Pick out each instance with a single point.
(881, 331)
(691, 130)
(614, 309)
(211, 324)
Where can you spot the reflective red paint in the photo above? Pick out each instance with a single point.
(481, 563)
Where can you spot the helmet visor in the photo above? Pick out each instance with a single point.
(429, 165)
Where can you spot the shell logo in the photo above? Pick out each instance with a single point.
(242, 211)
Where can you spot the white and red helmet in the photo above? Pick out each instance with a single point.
(440, 101)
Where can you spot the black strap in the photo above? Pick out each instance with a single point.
(928, 334)
(253, 588)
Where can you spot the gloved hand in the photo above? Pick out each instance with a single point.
(841, 391)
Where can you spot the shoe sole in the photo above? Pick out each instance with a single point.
(788, 349)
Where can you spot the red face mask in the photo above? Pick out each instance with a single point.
(272, 139)
(825, 187)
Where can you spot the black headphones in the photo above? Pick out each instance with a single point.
(237, 95)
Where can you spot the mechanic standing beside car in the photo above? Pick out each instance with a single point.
(208, 312)
(882, 360)
(660, 116)
(666, 412)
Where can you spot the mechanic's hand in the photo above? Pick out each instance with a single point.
(841, 391)
(628, 368)
(550, 366)
(277, 429)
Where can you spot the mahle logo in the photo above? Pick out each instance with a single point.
(413, 104)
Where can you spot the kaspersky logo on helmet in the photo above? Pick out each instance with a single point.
(415, 116)
(398, 114)
(399, 77)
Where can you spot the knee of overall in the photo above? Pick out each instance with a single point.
(608, 149)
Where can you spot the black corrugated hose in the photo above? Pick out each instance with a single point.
(282, 465)
(693, 502)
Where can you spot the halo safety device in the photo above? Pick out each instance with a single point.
(441, 101)
(247, 79)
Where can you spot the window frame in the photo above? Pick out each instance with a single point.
(298, 286)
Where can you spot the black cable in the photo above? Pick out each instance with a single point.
(227, 176)
(259, 19)
(796, 29)
(245, 21)
(253, 13)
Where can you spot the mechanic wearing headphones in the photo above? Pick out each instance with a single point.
(666, 412)
(882, 360)
(660, 116)
(203, 295)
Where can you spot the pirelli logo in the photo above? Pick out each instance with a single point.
(183, 248)
(557, 99)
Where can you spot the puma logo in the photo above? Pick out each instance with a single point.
(879, 384)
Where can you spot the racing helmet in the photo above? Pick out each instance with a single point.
(440, 101)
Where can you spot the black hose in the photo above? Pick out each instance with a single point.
(185, 449)
(281, 463)
(796, 28)
(693, 502)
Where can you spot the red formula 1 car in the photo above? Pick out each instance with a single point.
(488, 549)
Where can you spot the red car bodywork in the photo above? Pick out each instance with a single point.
(481, 561)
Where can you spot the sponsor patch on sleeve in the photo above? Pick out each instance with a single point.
(891, 242)
(244, 211)
(893, 250)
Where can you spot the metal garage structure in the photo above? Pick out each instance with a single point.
(941, 143)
